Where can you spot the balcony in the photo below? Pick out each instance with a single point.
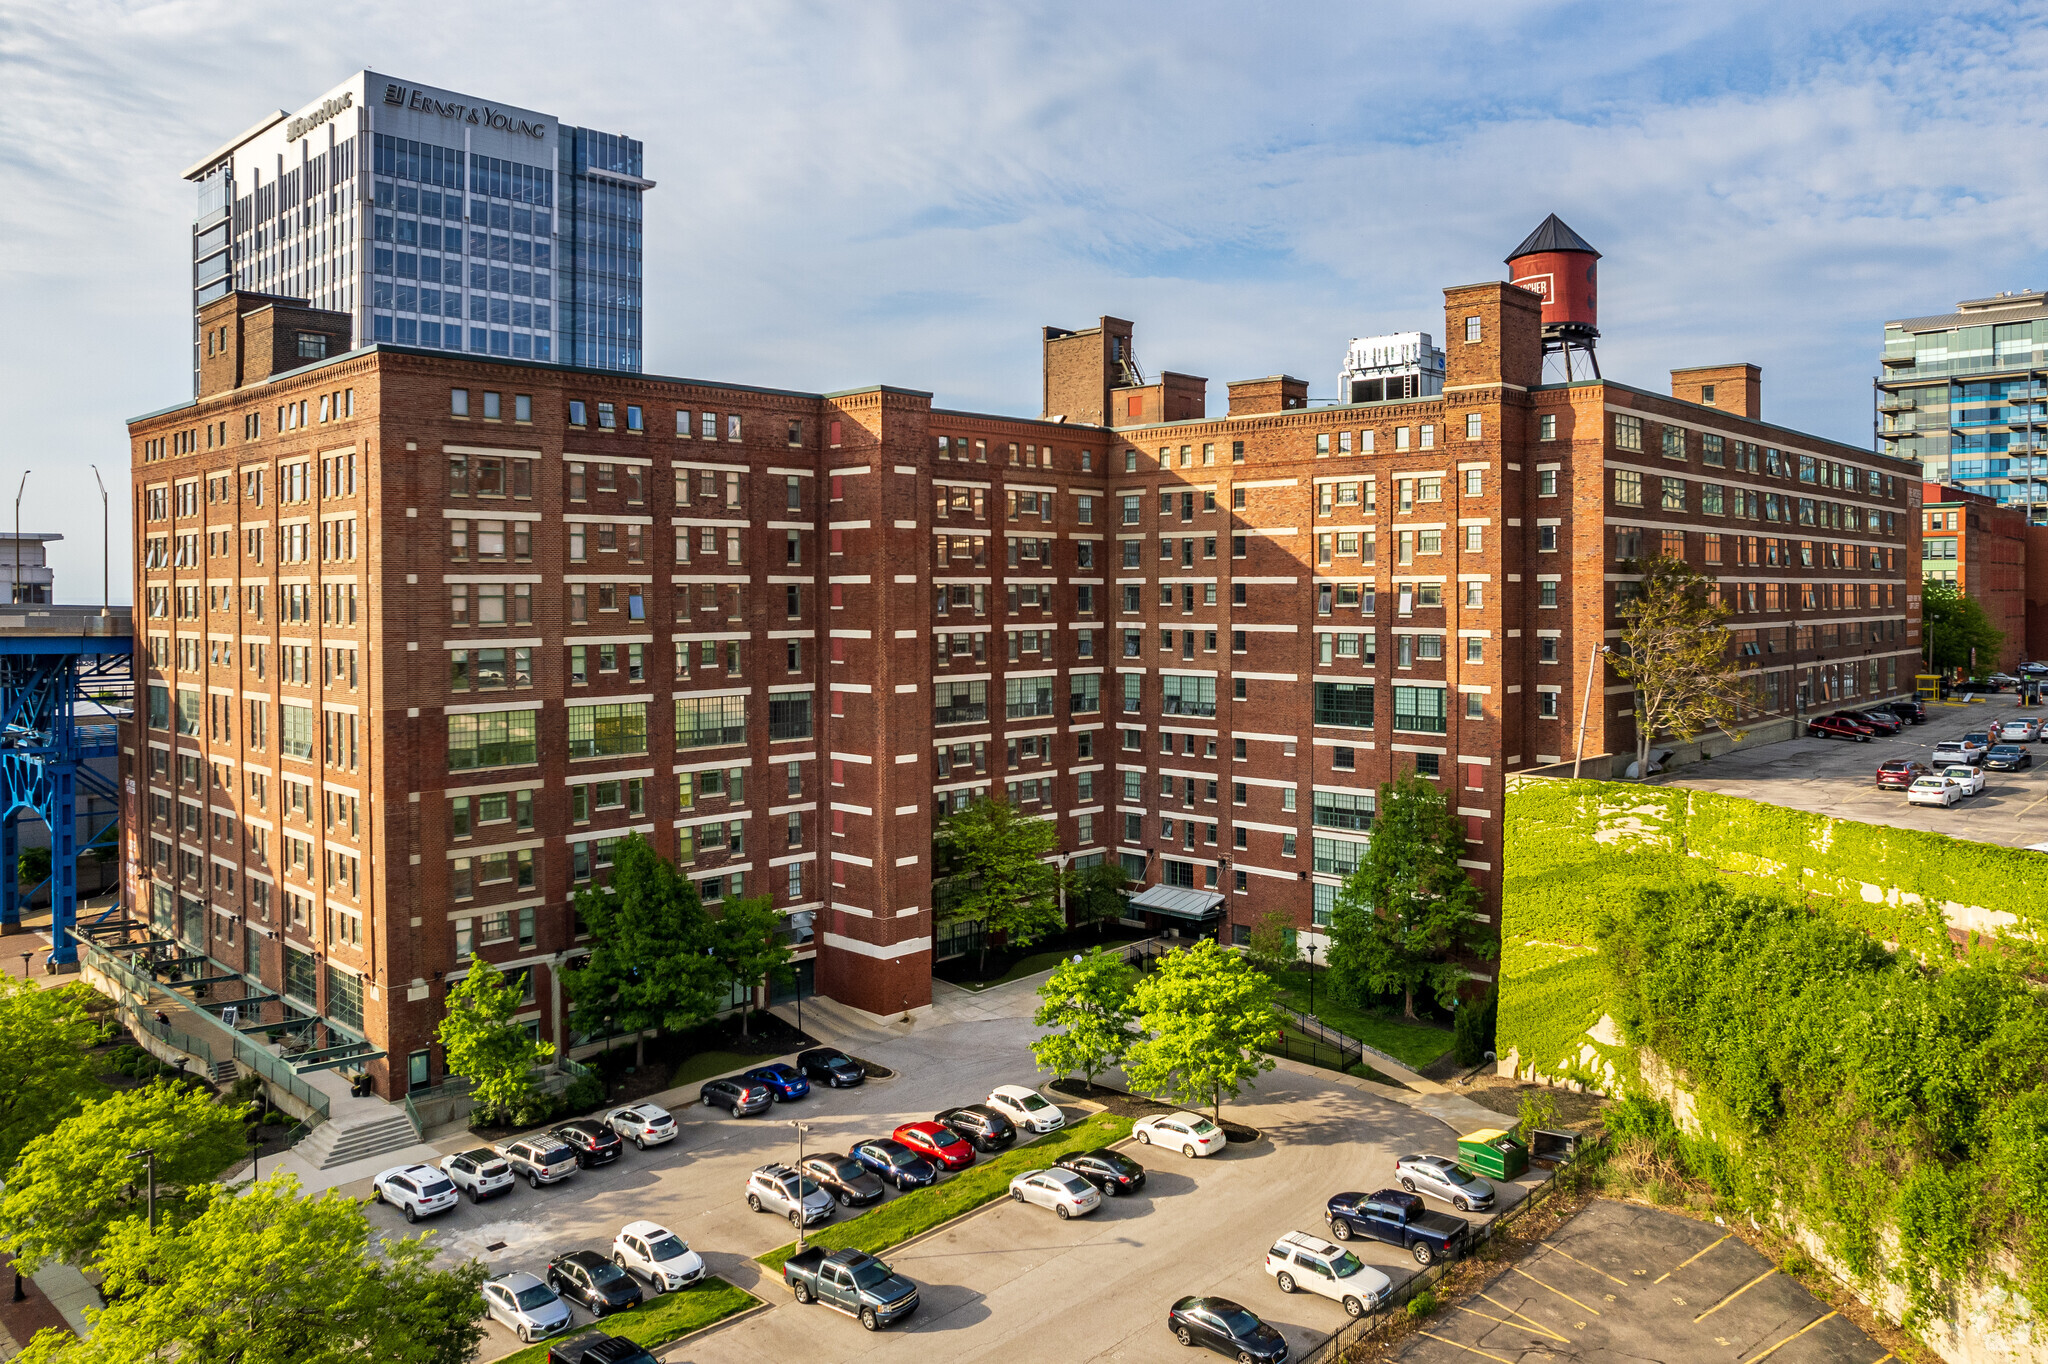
(1897, 359)
(1895, 402)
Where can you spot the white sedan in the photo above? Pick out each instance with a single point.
(1933, 791)
(644, 1125)
(1967, 780)
(1027, 1108)
(1065, 1192)
(657, 1255)
(1188, 1133)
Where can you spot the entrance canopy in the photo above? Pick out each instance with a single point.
(1181, 902)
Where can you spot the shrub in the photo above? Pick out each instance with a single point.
(1422, 1304)
(585, 1092)
(1474, 1029)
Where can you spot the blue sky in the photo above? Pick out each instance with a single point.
(906, 193)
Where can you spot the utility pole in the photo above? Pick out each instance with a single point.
(17, 533)
(801, 1128)
(106, 549)
(1585, 705)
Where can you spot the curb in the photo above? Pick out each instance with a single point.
(761, 1305)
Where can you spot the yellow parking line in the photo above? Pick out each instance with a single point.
(1560, 1292)
(1736, 1294)
(1683, 1263)
(1488, 1316)
(1531, 1321)
(1880, 1361)
(1466, 1348)
(1794, 1336)
(1577, 1261)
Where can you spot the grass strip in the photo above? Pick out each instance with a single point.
(659, 1320)
(1414, 1044)
(899, 1219)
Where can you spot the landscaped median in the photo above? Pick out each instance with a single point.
(892, 1223)
(659, 1320)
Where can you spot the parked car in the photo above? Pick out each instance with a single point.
(831, 1066)
(1970, 779)
(587, 1278)
(1065, 1192)
(2019, 731)
(1399, 1219)
(983, 1127)
(1440, 1177)
(525, 1306)
(1188, 1133)
(2008, 758)
(1880, 721)
(2034, 669)
(593, 1142)
(1956, 751)
(1896, 774)
(1934, 790)
(481, 1173)
(936, 1142)
(1298, 1260)
(539, 1160)
(895, 1163)
(1980, 739)
(853, 1282)
(845, 1178)
(784, 1192)
(598, 1349)
(1113, 1172)
(644, 1125)
(2003, 680)
(784, 1081)
(1978, 686)
(1911, 709)
(1027, 1108)
(741, 1098)
(658, 1255)
(1227, 1328)
(415, 1190)
(1838, 727)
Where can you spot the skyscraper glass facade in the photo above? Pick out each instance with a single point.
(601, 247)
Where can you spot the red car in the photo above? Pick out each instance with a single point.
(1838, 727)
(1899, 773)
(936, 1142)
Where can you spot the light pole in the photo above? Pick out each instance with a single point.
(1062, 860)
(1311, 980)
(1585, 704)
(17, 533)
(106, 571)
(801, 1128)
(148, 1155)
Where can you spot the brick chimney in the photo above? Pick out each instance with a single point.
(1732, 388)
(1274, 393)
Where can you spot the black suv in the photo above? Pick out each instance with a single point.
(830, 1066)
(984, 1129)
(845, 1178)
(586, 1277)
(1914, 711)
(593, 1142)
(598, 1350)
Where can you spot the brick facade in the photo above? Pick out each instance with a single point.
(1981, 545)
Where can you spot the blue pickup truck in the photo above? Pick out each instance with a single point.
(1399, 1219)
(853, 1282)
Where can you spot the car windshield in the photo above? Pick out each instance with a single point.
(1457, 1176)
(1965, 772)
(667, 1248)
(1976, 738)
(870, 1275)
(1929, 784)
(556, 1155)
(540, 1295)
(1345, 1265)
(604, 1272)
(1202, 1126)
(1031, 1103)
(894, 1151)
(2006, 751)
(1069, 1181)
(1236, 1320)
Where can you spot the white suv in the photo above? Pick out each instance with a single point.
(657, 1255)
(1300, 1261)
(480, 1173)
(419, 1190)
(644, 1125)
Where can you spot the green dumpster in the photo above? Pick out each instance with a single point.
(1492, 1153)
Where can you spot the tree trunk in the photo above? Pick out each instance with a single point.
(746, 1009)
(1408, 1003)
(639, 1050)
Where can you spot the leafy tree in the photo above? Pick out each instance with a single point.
(1097, 894)
(71, 1185)
(1409, 905)
(1208, 1013)
(1088, 999)
(32, 864)
(649, 964)
(1674, 648)
(999, 874)
(263, 1276)
(1474, 1028)
(481, 1041)
(1955, 627)
(746, 942)
(1272, 947)
(47, 1070)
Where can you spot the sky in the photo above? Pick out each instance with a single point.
(906, 193)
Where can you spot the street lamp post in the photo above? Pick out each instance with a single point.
(17, 533)
(1311, 980)
(1062, 860)
(148, 1156)
(1585, 704)
(801, 1129)
(106, 551)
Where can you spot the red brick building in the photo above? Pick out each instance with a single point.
(1981, 545)
(426, 632)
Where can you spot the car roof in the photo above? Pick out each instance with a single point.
(928, 1129)
(888, 1141)
(1307, 1242)
(643, 1229)
(416, 1171)
(1178, 1115)
(586, 1258)
(1011, 1091)
(518, 1280)
(773, 1068)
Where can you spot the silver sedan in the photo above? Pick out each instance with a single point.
(1065, 1192)
(1441, 1178)
(531, 1309)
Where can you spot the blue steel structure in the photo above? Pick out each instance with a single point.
(53, 661)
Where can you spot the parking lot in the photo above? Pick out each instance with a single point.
(1837, 777)
(1621, 1281)
(1011, 1280)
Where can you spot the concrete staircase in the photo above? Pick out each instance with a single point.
(351, 1139)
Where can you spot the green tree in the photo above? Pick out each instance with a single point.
(1958, 633)
(1272, 948)
(650, 940)
(1674, 648)
(71, 1185)
(1399, 917)
(1207, 1014)
(1097, 894)
(1087, 999)
(746, 942)
(483, 1043)
(47, 1070)
(263, 1276)
(32, 865)
(998, 873)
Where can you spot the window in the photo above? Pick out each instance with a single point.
(708, 721)
(1342, 703)
(1546, 427)
(1628, 432)
(1471, 329)
(1472, 426)
(1673, 494)
(1628, 487)
(789, 716)
(1418, 710)
(1546, 483)
(458, 402)
(487, 739)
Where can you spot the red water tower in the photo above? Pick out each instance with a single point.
(1563, 268)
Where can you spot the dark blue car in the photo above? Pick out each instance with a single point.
(784, 1081)
(898, 1164)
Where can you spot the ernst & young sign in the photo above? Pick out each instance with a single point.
(482, 115)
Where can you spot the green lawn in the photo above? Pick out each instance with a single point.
(705, 1064)
(1413, 1044)
(659, 1320)
(896, 1221)
(1045, 961)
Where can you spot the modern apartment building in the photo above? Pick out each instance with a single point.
(432, 219)
(427, 631)
(1966, 395)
